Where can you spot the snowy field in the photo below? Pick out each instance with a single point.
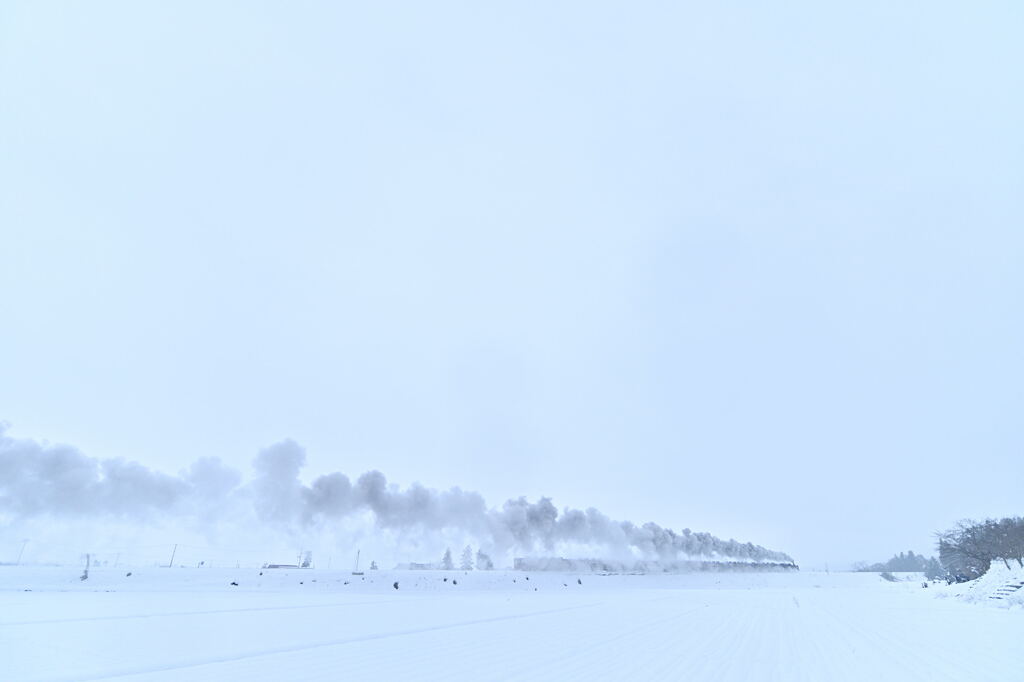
(192, 624)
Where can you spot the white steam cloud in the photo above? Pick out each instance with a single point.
(39, 480)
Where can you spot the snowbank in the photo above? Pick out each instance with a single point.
(1001, 586)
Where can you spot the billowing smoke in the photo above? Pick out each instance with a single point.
(38, 480)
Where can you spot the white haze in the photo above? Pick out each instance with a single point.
(754, 267)
(103, 498)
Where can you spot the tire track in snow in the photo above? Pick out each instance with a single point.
(170, 614)
(140, 670)
(901, 652)
(605, 644)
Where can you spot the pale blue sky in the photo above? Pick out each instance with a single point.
(750, 269)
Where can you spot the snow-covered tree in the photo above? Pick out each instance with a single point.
(967, 550)
(483, 562)
(446, 562)
(467, 559)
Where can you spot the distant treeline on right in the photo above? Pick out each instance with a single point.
(965, 551)
(906, 563)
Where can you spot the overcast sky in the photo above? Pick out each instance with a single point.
(751, 270)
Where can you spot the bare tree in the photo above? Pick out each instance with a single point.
(967, 550)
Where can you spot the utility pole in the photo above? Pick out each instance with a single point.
(23, 543)
(174, 551)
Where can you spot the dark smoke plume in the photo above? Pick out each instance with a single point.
(39, 480)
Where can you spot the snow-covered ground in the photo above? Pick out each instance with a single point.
(192, 624)
(1001, 586)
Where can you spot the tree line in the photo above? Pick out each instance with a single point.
(968, 549)
(467, 563)
(908, 562)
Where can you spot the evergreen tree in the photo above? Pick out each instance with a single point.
(483, 562)
(446, 561)
(467, 559)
